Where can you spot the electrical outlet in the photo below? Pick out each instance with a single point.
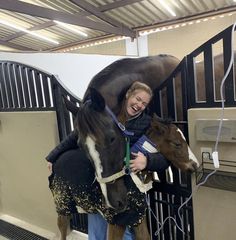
(206, 153)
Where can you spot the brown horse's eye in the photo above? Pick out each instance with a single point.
(176, 144)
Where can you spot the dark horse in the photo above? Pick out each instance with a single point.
(119, 201)
(113, 81)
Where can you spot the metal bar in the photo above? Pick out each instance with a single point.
(229, 82)
(8, 85)
(25, 86)
(3, 99)
(57, 99)
(19, 86)
(208, 67)
(95, 11)
(30, 76)
(46, 90)
(171, 100)
(12, 79)
(38, 89)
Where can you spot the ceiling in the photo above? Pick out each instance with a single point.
(98, 19)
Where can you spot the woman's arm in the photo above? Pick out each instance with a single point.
(70, 142)
(154, 162)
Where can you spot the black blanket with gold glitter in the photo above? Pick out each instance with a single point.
(72, 184)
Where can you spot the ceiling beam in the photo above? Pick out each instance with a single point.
(15, 46)
(21, 33)
(33, 10)
(94, 11)
(117, 4)
(103, 8)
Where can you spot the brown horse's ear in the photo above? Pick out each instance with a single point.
(157, 118)
(97, 100)
(158, 125)
(70, 106)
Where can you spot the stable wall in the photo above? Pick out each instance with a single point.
(214, 214)
(183, 40)
(214, 208)
(25, 139)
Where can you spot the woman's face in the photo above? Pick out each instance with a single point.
(137, 102)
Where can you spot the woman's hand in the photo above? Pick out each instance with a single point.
(138, 163)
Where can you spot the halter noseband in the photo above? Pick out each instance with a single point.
(125, 170)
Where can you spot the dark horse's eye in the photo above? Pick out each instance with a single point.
(112, 139)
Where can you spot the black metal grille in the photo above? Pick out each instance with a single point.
(82, 219)
(171, 101)
(13, 232)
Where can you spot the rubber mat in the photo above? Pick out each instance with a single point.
(13, 232)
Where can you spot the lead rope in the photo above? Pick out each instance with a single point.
(127, 157)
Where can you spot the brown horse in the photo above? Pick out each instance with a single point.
(71, 185)
(172, 144)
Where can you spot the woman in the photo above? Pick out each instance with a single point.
(133, 116)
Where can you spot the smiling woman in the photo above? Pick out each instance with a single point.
(137, 99)
(128, 99)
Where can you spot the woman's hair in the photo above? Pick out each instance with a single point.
(136, 86)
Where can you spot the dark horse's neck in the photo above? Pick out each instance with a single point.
(113, 81)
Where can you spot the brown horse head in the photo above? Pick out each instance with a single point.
(172, 144)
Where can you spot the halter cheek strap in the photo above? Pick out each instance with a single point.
(119, 124)
(125, 170)
(127, 139)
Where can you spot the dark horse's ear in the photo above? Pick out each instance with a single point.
(97, 100)
(70, 106)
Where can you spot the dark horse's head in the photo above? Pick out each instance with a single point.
(104, 144)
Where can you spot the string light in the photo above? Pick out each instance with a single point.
(147, 32)
(86, 45)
